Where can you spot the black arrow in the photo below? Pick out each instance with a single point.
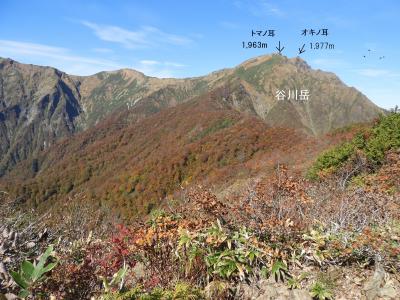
(279, 48)
(301, 50)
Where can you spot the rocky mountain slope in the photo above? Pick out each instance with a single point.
(38, 105)
(41, 105)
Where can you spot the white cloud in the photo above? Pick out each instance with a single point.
(260, 8)
(64, 60)
(174, 64)
(58, 57)
(7, 46)
(273, 10)
(144, 37)
(384, 97)
(158, 68)
(376, 72)
(149, 62)
(328, 63)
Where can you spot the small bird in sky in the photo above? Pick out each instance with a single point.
(381, 57)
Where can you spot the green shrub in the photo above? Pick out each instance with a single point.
(294, 282)
(214, 127)
(184, 291)
(117, 281)
(332, 159)
(227, 254)
(279, 270)
(181, 291)
(384, 136)
(319, 290)
(358, 181)
(30, 273)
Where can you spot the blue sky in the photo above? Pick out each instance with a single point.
(191, 38)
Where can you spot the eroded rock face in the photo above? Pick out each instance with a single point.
(380, 286)
(270, 290)
(38, 105)
(349, 284)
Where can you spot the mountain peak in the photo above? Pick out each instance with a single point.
(36, 97)
(263, 58)
(6, 61)
(299, 62)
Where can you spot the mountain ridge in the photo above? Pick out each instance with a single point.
(40, 105)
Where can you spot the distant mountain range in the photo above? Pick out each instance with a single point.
(40, 105)
(129, 139)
